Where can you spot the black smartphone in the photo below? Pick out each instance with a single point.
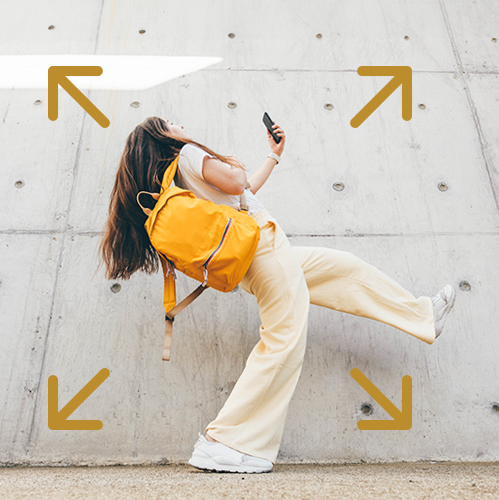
(268, 123)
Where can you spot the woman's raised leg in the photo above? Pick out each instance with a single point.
(342, 281)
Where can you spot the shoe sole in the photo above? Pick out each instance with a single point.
(446, 310)
(206, 463)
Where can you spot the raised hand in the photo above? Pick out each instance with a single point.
(274, 147)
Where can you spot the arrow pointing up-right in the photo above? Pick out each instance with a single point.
(402, 75)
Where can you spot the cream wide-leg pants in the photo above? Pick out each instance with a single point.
(285, 280)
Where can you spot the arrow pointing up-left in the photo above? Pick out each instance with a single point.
(115, 72)
(57, 75)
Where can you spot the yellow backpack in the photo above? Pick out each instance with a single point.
(211, 243)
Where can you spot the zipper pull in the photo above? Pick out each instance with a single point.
(205, 271)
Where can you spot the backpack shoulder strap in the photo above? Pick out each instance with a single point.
(170, 315)
(242, 203)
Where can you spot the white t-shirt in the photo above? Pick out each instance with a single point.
(190, 176)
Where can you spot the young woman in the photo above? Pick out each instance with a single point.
(245, 435)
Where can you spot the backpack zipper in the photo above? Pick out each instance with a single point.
(209, 259)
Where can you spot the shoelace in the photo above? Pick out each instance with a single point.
(436, 297)
(200, 440)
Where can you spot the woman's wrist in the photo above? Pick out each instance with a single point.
(274, 156)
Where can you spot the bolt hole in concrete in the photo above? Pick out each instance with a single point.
(232, 105)
(37, 102)
(366, 409)
(328, 106)
(339, 186)
(406, 37)
(442, 186)
(142, 31)
(495, 408)
(319, 35)
(135, 104)
(19, 184)
(231, 35)
(116, 288)
(464, 286)
(51, 27)
(421, 106)
(494, 40)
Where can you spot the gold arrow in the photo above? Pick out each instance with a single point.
(402, 420)
(57, 75)
(58, 419)
(402, 75)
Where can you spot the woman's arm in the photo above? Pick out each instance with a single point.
(234, 180)
(229, 180)
(258, 179)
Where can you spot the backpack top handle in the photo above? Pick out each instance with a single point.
(147, 211)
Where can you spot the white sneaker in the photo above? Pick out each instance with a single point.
(442, 304)
(218, 457)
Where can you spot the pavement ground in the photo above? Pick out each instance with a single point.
(421, 480)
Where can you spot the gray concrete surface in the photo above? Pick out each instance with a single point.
(58, 318)
(292, 481)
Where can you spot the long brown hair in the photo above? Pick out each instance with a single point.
(149, 150)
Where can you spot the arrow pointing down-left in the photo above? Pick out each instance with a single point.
(57, 420)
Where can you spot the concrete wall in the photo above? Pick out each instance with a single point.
(57, 318)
